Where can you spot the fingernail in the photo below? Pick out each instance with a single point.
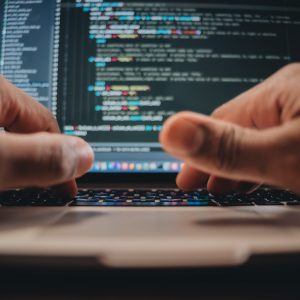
(185, 137)
(84, 155)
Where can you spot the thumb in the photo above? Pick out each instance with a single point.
(224, 149)
(42, 159)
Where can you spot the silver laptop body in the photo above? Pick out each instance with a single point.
(112, 72)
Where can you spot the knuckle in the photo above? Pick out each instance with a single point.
(224, 112)
(291, 69)
(278, 85)
(48, 114)
(228, 149)
(49, 118)
(218, 112)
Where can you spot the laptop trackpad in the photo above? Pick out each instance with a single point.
(206, 222)
(88, 223)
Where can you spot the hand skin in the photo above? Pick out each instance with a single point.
(33, 153)
(254, 138)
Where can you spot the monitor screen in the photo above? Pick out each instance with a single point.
(113, 72)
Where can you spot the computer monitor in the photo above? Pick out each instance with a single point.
(113, 72)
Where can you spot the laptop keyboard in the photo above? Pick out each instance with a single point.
(144, 198)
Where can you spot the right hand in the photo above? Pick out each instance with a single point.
(253, 138)
(32, 152)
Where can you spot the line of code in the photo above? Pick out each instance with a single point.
(131, 65)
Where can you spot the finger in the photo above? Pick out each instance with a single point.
(42, 159)
(190, 179)
(252, 111)
(67, 189)
(218, 185)
(266, 105)
(227, 150)
(20, 113)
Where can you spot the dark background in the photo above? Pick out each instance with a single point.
(263, 279)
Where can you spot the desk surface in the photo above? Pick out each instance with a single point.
(264, 282)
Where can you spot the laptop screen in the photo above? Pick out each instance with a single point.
(113, 72)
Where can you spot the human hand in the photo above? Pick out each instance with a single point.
(253, 138)
(32, 152)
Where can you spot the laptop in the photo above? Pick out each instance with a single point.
(112, 73)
